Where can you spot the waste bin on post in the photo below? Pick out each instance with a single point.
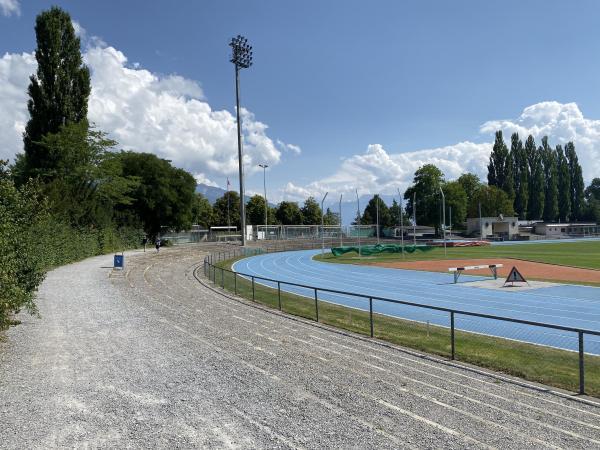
(119, 261)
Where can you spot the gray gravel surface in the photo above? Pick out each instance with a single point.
(150, 357)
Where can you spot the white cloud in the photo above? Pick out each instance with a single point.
(378, 171)
(9, 7)
(14, 79)
(79, 30)
(165, 115)
(291, 148)
(561, 122)
(202, 179)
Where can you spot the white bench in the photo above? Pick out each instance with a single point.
(458, 270)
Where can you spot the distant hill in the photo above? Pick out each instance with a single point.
(212, 193)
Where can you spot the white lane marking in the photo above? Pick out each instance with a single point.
(432, 423)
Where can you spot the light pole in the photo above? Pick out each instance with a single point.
(241, 57)
(323, 226)
(264, 168)
(415, 219)
(377, 214)
(401, 223)
(340, 219)
(358, 220)
(444, 218)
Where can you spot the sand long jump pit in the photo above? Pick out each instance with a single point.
(530, 269)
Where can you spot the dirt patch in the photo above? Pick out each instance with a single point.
(529, 269)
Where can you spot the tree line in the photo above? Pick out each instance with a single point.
(72, 194)
(225, 211)
(545, 182)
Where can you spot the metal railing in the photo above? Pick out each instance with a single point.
(211, 270)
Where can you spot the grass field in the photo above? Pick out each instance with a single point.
(531, 362)
(577, 254)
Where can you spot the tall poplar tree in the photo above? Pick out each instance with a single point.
(536, 180)
(499, 167)
(549, 159)
(58, 92)
(577, 185)
(564, 186)
(520, 171)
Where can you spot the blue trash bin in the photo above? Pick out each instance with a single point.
(119, 262)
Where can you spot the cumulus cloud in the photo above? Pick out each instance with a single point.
(379, 171)
(9, 7)
(164, 115)
(291, 148)
(561, 122)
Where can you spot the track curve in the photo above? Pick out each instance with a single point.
(566, 305)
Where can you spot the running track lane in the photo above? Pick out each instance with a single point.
(567, 305)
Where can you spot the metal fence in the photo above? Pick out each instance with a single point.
(217, 275)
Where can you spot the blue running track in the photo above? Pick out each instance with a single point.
(567, 305)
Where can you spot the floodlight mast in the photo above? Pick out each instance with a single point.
(241, 57)
(323, 226)
(264, 168)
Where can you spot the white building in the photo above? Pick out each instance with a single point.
(503, 227)
(558, 230)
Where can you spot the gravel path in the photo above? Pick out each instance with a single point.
(152, 358)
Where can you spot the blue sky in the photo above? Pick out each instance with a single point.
(335, 77)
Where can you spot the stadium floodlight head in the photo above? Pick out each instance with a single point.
(241, 52)
(241, 57)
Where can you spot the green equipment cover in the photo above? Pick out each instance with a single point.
(368, 250)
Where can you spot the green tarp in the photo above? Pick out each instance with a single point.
(368, 250)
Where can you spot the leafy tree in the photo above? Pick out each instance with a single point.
(395, 214)
(230, 201)
(593, 190)
(500, 166)
(58, 93)
(288, 213)
(426, 185)
(311, 212)
(536, 180)
(549, 159)
(577, 185)
(456, 198)
(494, 201)
(202, 211)
(331, 218)
(370, 213)
(255, 210)
(564, 186)
(165, 194)
(520, 169)
(470, 183)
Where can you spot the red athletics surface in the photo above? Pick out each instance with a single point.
(529, 269)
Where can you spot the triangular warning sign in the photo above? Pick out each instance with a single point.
(515, 276)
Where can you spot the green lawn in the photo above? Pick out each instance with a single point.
(578, 254)
(535, 363)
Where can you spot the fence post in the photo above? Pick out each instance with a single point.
(279, 294)
(222, 278)
(253, 295)
(452, 333)
(371, 314)
(316, 305)
(235, 283)
(581, 366)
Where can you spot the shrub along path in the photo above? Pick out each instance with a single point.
(152, 358)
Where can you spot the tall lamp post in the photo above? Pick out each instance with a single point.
(444, 218)
(241, 57)
(340, 219)
(264, 168)
(358, 220)
(323, 226)
(401, 222)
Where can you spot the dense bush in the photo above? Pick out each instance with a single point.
(33, 240)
